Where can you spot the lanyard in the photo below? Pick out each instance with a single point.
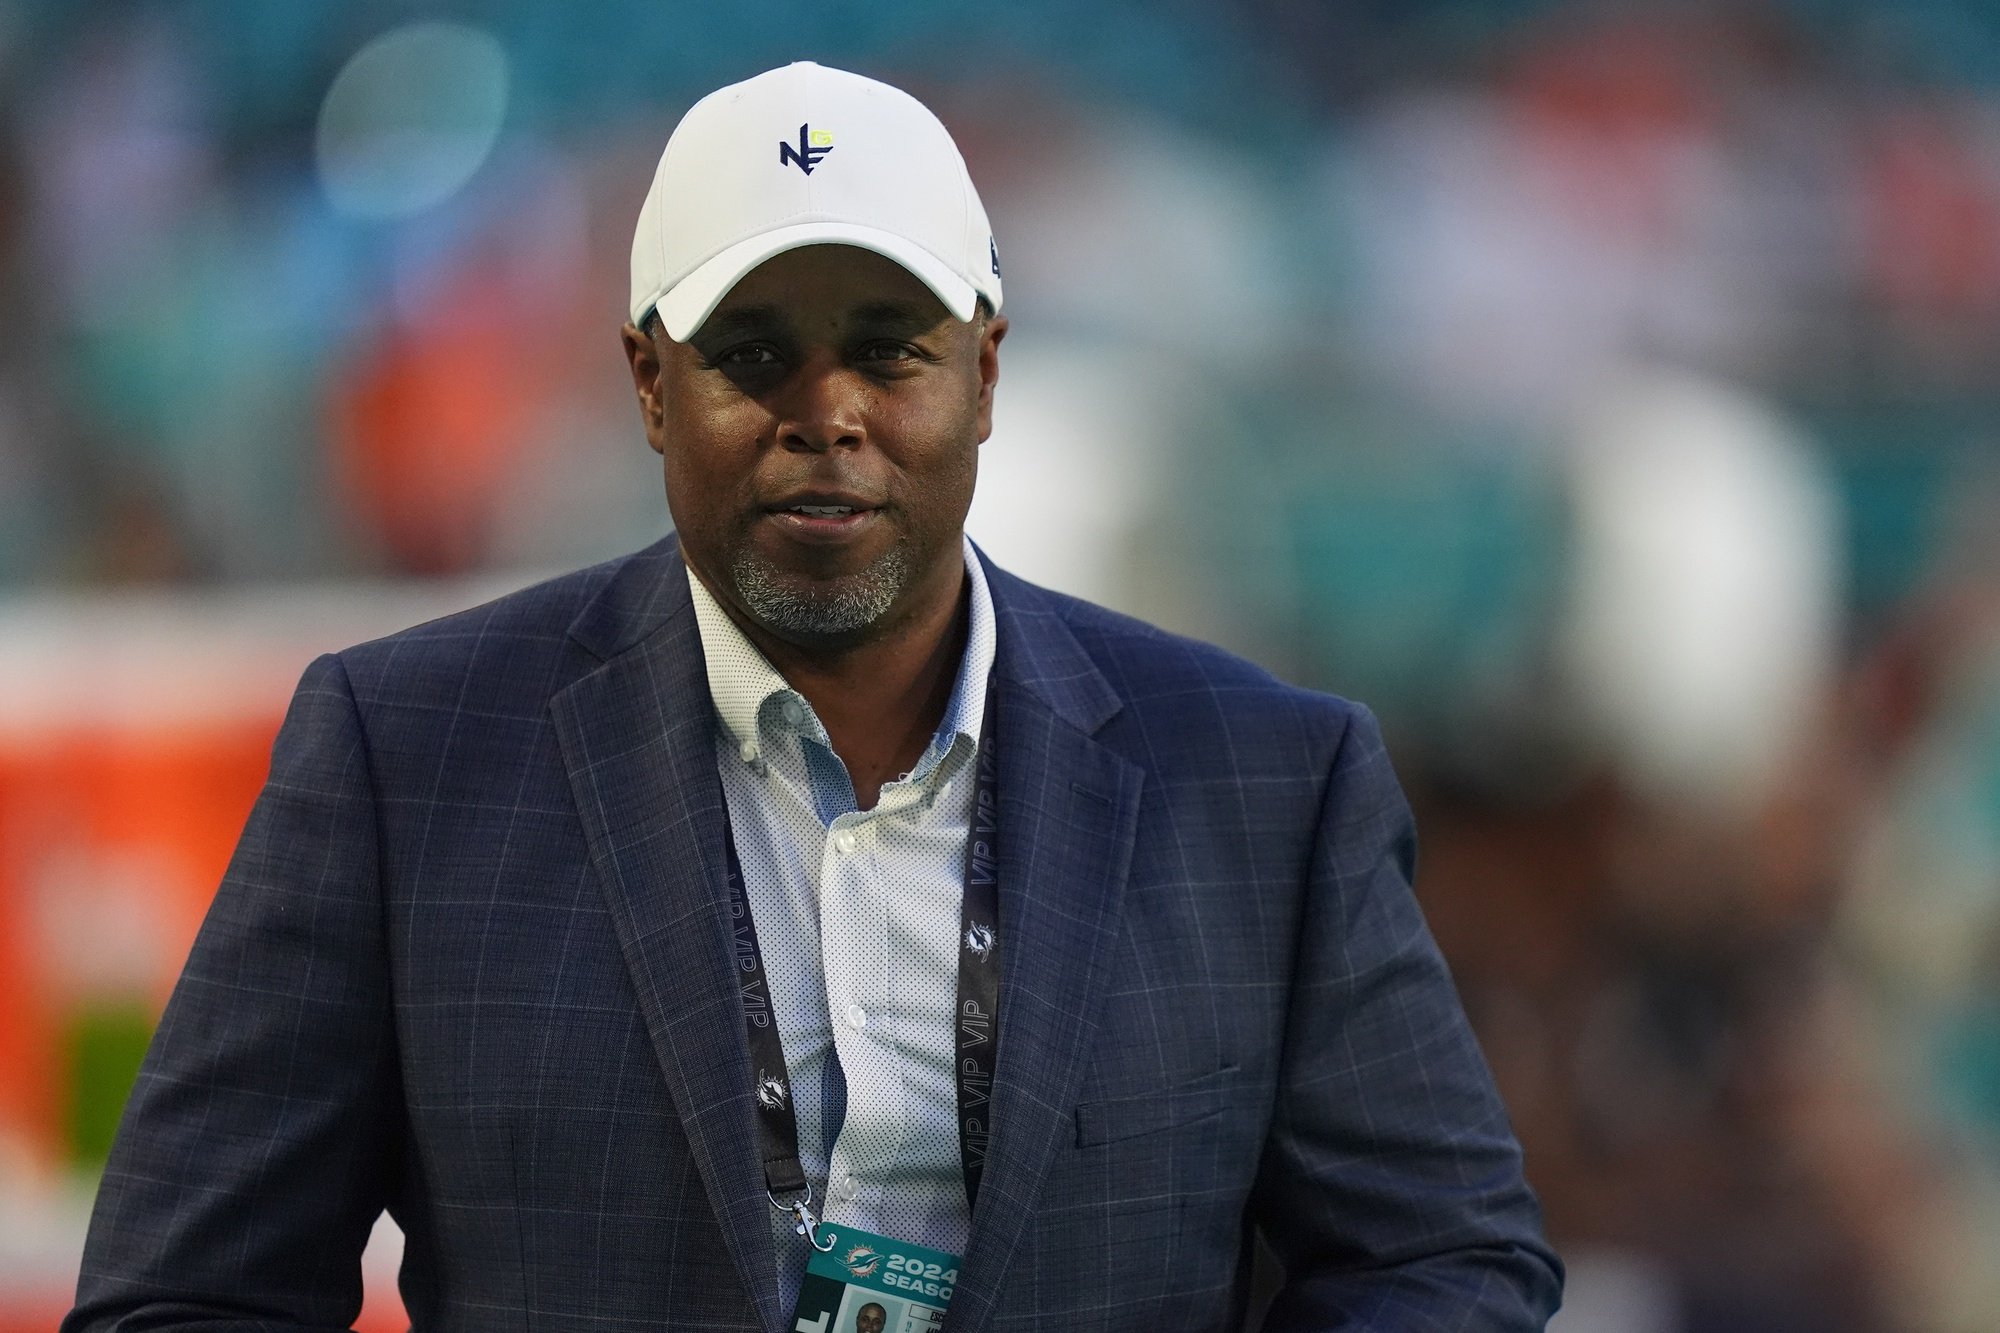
(975, 1014)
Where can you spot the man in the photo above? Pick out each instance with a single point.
(870, 1318)
(804, 875)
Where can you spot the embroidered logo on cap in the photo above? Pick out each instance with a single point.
(813, 145)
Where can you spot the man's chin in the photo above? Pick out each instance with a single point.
(825, 609)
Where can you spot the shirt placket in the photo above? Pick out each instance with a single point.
(856, 964)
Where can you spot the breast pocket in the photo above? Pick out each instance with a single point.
(1108, 1120)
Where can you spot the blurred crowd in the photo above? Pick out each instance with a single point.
(1604, 392)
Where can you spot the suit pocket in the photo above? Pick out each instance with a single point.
(1114, 1118)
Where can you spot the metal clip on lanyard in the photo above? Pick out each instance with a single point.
(976, 1017)
(801, 1208)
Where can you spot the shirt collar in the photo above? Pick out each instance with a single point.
(743, 683)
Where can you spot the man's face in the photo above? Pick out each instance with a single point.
(821, 434)
(869, 1319)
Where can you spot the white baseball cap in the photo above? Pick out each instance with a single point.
(807, 155)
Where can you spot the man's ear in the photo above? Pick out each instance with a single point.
(989, 370)
(643, 356)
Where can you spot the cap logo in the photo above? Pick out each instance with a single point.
(813, 145)
(993, 247)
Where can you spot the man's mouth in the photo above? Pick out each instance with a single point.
(823, 518)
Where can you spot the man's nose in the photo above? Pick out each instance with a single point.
(823, 406)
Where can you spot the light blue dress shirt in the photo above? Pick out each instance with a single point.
(857, 914)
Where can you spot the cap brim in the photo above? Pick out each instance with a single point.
(691, 300)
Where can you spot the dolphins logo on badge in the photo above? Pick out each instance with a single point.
(862, 1260)
(979, 939)
(771, 1091)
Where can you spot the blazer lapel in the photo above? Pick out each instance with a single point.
(637, 738)
(1069, 811)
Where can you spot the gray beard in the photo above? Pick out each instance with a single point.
(804, 609)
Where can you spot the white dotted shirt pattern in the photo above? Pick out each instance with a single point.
(857, 914)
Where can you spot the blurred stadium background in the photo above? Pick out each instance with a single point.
(1605, 392)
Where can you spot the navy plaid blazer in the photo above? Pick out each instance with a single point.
(471, 963)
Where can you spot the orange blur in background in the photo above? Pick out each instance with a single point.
(112, 842)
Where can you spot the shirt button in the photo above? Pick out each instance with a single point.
(749, 752)
(795, 714)
(857, 1017)
(845, 840)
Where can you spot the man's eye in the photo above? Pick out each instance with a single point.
(889, 352)
(755, 354)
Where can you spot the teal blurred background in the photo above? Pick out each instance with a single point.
(1607, 393)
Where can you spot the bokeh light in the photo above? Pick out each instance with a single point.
(410, 118)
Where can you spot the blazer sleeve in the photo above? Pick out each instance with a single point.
(258, 1146)
(1391, 1185)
